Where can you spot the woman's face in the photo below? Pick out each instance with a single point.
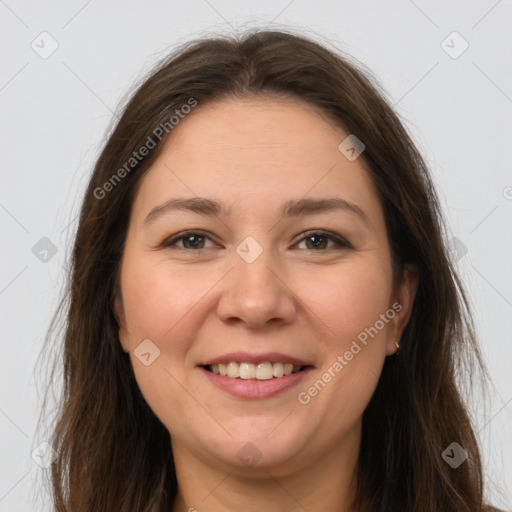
(268, 276)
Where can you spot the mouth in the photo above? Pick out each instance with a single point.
(254, 371)
(255, 381)
(255, 376)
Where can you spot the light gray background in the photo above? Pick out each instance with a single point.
(55, 112)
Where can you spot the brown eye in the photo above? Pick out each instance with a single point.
(319, 240)
(191, 240)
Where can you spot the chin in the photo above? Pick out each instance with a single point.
(264, 448)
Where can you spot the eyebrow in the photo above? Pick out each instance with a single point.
(291, 208)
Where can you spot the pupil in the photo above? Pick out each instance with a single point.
(317, 237)
(193, 237)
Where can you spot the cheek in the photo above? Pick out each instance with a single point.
(348, 301)
(158, 300)
(348, 306)
(165, 305)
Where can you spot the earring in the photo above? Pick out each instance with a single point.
(397, 344)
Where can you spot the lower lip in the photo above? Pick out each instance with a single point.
(254, 389)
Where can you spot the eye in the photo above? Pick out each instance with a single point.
(315, 241)
(320, 240)
(191, 240)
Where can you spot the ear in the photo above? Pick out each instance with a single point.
(402, 303)
(121, 321)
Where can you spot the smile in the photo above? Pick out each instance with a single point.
(249, 375)
(261, 371)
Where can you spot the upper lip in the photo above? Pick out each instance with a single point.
(246, 357)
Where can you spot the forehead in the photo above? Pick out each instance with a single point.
(246, 151)
(275, 130)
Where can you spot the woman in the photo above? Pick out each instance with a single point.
(262, 314)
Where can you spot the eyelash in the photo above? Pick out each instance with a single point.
(341, 243)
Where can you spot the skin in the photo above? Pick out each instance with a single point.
(195, 304)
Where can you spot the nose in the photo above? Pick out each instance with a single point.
(256, 294)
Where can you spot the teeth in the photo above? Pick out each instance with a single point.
(261, 371)
(264, 371)
(233, 370)
(278, 369)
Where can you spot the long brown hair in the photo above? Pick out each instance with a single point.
(113, 452)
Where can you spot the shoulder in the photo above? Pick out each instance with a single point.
(488, 508)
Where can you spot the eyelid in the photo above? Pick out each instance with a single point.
(340, 241)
